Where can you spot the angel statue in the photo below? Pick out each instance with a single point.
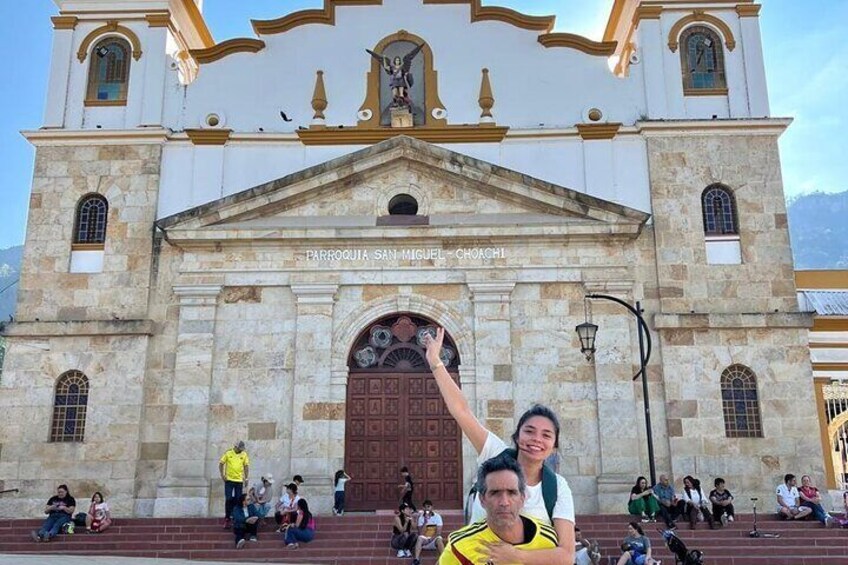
(400, 79)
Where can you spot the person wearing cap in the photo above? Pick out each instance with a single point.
(234, 467)
(264, 495)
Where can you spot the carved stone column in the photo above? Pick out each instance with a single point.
(185, 489)
(313, 413)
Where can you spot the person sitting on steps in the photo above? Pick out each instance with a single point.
(245, 521)
(642, 502)
(722, 502)
(403, 537)
(696, 502)
(789, 501)
(671, 506)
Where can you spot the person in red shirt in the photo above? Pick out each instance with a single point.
(811, 498)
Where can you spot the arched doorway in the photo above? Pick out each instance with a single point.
(395, 417)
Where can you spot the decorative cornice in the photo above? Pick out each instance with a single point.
(368, 136)
(821, 279)
(221, 50)
(95, 102)
(481, 13)
(141, 136)
(614, 18)
(700, 16)
(647, 13)
(162, 19)
(208, 136)
(598, 131)
(705, 91)
(64, 22)
(323, 16)
(673, 128)
(584, 44)
(79, 328)
(748, 10)
(198, 22)
(111, 26)
(327, 16)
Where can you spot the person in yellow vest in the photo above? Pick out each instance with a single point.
(234, 467)
(502, 490)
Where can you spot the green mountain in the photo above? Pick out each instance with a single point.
(819, 230)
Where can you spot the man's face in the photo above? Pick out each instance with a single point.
(664, 480)
(792, 482)
(237, 449)
(578, 535)
(428, 508)
(720, 487)
(502, 501)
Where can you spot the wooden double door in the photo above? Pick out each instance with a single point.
(395, 420)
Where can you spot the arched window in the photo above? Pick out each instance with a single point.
(740, 402)
(719, 208)
(69, 407)
(109, 72)
(702, 60)
(90, 225)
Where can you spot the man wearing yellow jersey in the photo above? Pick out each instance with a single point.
(501, 489)
(234, 467)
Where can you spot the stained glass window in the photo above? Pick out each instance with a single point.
(90, 224)
(69, 407)
(397, 344)
(719, 209)
(702, 59)
(740, 402)
(109, 73)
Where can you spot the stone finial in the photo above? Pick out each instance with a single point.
(486, 100)
(319, 100)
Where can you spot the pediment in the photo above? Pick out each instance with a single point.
(456, 193)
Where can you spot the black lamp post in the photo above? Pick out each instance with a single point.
(587, 331)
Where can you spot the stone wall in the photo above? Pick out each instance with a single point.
(681, 168)
(128, 177)
(106, 460)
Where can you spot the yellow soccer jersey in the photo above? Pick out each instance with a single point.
(465, 548)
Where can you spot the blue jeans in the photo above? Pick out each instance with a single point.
(295, 535)
(339, 501)
(53, 524)
(232, 493)
(819, 513)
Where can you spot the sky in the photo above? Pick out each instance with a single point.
(803, 43)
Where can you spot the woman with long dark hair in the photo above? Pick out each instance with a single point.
(302, 530)
(339, 482)
(99, 517)
(696, 502)
(534, 440)
(636, 547)
(642, 502)
(403, 535)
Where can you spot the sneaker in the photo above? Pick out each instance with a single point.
(828, 521)
(672, 526)
(407, 553)
(70, 529)
(240, 543)
(401, 553)
(729, 518)
(253, 539)
(416, 562)
(292, 546)
(724, 520)
(34, 535)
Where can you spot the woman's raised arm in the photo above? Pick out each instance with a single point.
(452, 394)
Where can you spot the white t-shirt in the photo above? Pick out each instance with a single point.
(287, 502)
(694, 497)
(787, 495)
(534, 506)
(434, 520)
(340, 486)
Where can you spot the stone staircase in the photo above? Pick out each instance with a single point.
(363, 539)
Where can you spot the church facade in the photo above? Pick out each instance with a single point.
(249, 240)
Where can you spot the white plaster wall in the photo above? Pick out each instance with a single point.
(614, 170)
(531, 84)
(736, 103)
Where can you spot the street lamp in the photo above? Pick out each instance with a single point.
(587, 331)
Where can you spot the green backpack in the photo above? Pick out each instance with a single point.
(549, 488)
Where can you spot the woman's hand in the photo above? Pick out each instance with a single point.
(434, 346)
(499, 553)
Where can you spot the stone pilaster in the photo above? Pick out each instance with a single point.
(615, 361)
(185, 489)
(309, 435)
(494, 404)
